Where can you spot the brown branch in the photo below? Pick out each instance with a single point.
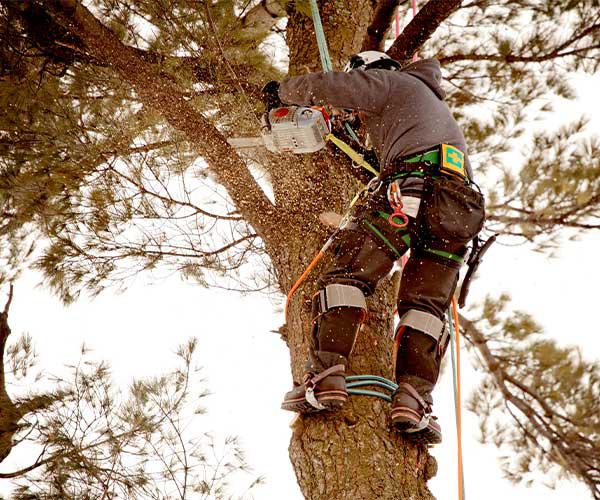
(170, 200)
(560, 444)
(38, 402)
(557, 52)
(421, 28)
(541, 221)
(383, 17)
(57, 45)
(515, 59)
(195, 255)
(146, 148)
(8, 301)
(52, 458)
(161, 94)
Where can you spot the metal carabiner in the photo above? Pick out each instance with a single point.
(373, 185)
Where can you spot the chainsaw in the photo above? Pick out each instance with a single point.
(290, 129)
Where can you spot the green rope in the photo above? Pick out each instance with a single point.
(321, 40)
(364, 392)
(454, 379)
(353, 382)
(367, 380)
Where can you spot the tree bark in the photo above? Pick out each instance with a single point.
(351, 454)
(418, 31)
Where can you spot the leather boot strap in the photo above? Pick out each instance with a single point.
(411, 391)
(311, 379)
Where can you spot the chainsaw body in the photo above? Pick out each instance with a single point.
(296, 129)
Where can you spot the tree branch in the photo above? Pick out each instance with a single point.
(160, 93)
(421, 28)
(263, 16)
(515, 59)
(383, 17)
(564, 449)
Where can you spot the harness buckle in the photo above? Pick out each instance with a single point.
(373, 185)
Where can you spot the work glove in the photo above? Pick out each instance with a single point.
(270, 95)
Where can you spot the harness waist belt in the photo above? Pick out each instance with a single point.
(442, 159)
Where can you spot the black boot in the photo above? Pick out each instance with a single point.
(337, 312)
(411, 410)
(324, 385)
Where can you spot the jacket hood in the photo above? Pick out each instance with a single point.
(429, 72)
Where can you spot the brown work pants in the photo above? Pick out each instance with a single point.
(450, 215)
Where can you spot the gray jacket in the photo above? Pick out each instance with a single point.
(404, 110)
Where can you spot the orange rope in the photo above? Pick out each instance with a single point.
(301, 280)
(458, 405)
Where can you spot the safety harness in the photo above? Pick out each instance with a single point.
(442, 160)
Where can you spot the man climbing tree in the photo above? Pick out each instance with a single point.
(426, 179)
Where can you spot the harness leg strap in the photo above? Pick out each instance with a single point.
(424, 322)
(335, 295)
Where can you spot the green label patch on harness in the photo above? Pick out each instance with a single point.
(453, 161)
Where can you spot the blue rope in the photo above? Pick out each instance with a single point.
(372, 379)
(321, 40)
(355, 381)
(352, 385)
(364, 392)
(454, 378)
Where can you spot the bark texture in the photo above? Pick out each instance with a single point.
(351, 454)
(431, 15)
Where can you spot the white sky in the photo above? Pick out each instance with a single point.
(247, 367)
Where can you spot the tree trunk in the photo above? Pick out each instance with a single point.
(351, 454)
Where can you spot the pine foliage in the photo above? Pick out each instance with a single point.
(94, 440)
(107, 186)
(544, 416)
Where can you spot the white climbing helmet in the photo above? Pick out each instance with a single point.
(371, 59)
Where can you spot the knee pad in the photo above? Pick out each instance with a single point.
(420, 340)
(425, 323)
(336, 295)
(338, 311)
